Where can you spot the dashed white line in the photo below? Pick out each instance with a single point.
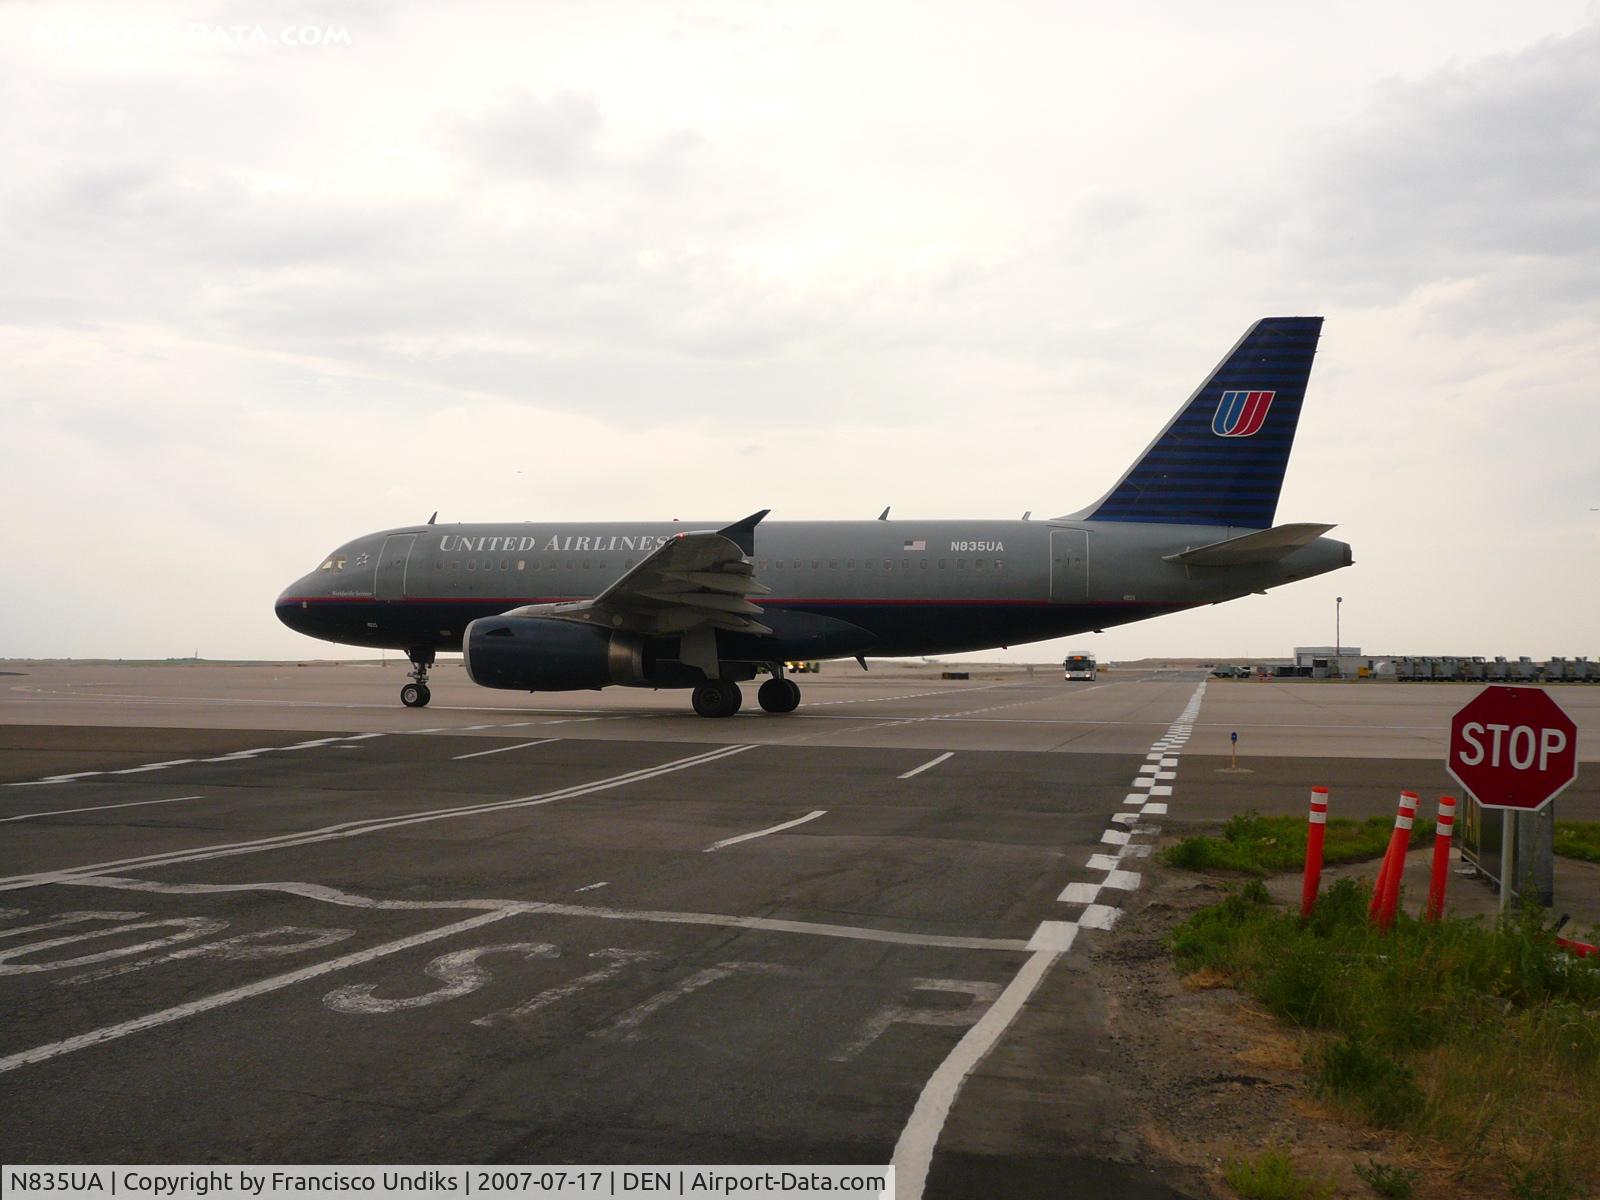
(745, 837)
(372, 825)
(503, 749)
(932, 762)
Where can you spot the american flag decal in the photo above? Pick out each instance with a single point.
(919, 544)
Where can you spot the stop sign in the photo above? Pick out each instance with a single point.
(1513, 747)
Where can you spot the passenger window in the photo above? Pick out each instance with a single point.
(586, 563)
(522, 564)
(505, 565)
(888, 563)
(833, 564)
(999, 564)
(961, 564)
(455, 564)
(850, 563)
(941, 564)
(904, 563)
(815, 563)
(438, 564)
(867, 563)
(602, 564)
(977, 564)
(472, 564)
(761, 564)
(923, 563)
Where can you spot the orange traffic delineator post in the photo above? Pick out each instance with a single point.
(1394, 860)
(1316, 832)
(1443, 840)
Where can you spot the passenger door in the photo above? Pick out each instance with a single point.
(391, 582)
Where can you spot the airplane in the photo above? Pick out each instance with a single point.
(538, 606)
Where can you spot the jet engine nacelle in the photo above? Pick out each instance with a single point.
(543, 654)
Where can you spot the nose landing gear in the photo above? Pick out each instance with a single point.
(417, 695)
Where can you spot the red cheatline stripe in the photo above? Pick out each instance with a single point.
(780, 602)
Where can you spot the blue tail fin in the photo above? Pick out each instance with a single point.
(1220, 461)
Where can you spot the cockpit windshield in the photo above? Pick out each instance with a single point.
(335, 562)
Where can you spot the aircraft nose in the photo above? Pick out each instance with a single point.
(292, 611)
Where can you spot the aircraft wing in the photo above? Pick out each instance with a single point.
(1268, 545)
(694, 581)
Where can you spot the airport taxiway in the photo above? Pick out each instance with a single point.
(263, 913)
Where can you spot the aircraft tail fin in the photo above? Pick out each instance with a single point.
(1221, 459)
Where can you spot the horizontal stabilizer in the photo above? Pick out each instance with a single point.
(1269, 545)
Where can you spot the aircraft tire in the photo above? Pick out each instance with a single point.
(719, 698)
(415, 695)
(779, 695)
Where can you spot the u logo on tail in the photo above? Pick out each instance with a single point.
(1240, 414)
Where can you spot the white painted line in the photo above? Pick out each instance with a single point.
(1114, 837)
(61, 812)
(1156, 809)
(1102, 862)
(503, 749)
(932, 762)
(1169, 762)
(1055, 936)
(1149, 769)
(171, 762)
(589, 887)
(328, 895)
(745, 837)
(1080, 893)
(1143, 781)
(1099, 916)
(1134, 798)
(1161, 789)
(1128, 818)
(1123, 881)
(914, 1151)
(370, 825)
(1137, 851)
(1166, 774)
(167, 1016)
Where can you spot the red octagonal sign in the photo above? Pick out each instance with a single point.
(1513, 747)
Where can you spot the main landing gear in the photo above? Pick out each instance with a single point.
(417, 695)
(722, 698)
(717, 698)
(779, 695)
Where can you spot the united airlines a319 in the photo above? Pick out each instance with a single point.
(707, 606)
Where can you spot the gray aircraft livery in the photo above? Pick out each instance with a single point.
(546, 607)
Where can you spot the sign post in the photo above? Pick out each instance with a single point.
(1514, 749)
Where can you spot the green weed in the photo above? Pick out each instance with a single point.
(1271, 1175)
(1259, 845)
(1579, 839)
(1483, 1036)
(1394, 1183)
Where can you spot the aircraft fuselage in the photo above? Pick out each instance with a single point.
(912, 587)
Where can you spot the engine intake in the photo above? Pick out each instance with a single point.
(544, 654)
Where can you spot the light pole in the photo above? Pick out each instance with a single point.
(1337, 601)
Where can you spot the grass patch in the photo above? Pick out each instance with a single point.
(1271, 1175)
(1258, 845)
(1579, 839)
(1395, 1183)
(1486, 1038)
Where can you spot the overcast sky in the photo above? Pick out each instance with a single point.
(573, 261)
